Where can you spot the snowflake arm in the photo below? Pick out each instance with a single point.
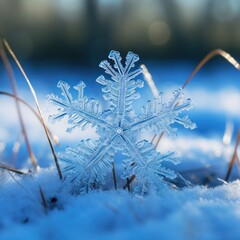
(119, 128)
(120, 91)
(89, 162)
(158, 116)
(146, 164)
(81, 112)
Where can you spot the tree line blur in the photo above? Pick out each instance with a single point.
(85, 30)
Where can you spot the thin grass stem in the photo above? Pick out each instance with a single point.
(14, 89)
(114, 176)
(209, 56)
(44, 202)
(234, 157)
(11, 169)
(37, 105)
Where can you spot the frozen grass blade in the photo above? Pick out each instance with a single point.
(14, 89)
(149, 80)
(37, 104)
(227, 137)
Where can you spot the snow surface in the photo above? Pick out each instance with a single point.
(177, 212)
(190, 213)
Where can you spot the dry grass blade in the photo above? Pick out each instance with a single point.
(37, 104)
(129, 181)
(209, 56)
(232, 61)
(159, 139)
(44, 202)
(32, 110)
(5, 167)
(114, 176)
(234, 157)
(14, 89)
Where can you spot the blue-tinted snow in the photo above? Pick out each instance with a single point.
(190, 213)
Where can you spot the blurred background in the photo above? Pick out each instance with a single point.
(66, 40)
(85, 31)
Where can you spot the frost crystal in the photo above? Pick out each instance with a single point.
(119, 128)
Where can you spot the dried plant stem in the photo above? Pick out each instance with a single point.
(159, 139)
(233, 62)
(14, 89)
(234, 157)
(209, 56)
(114, 176)
(129, 181)
(5, 167)
(44, 202)
(37, 104)
(154, 137)
(32, 110)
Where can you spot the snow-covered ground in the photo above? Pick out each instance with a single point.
(206, 209)
(190, 213)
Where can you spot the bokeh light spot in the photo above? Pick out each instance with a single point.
(159, 33)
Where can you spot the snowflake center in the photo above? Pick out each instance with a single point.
(119, 130)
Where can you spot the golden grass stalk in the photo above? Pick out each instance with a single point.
(234, 157)
(233, 62)
(14, 89)
(37, 105)
(209, 56)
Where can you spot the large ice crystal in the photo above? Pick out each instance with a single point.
(119, 127)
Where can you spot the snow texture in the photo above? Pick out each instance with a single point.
(119, 128)
(197, 213)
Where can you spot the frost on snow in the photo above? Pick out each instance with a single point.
(119, 127)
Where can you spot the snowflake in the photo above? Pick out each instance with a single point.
(119, 127)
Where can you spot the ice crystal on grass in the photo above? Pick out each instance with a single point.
(119, 127)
